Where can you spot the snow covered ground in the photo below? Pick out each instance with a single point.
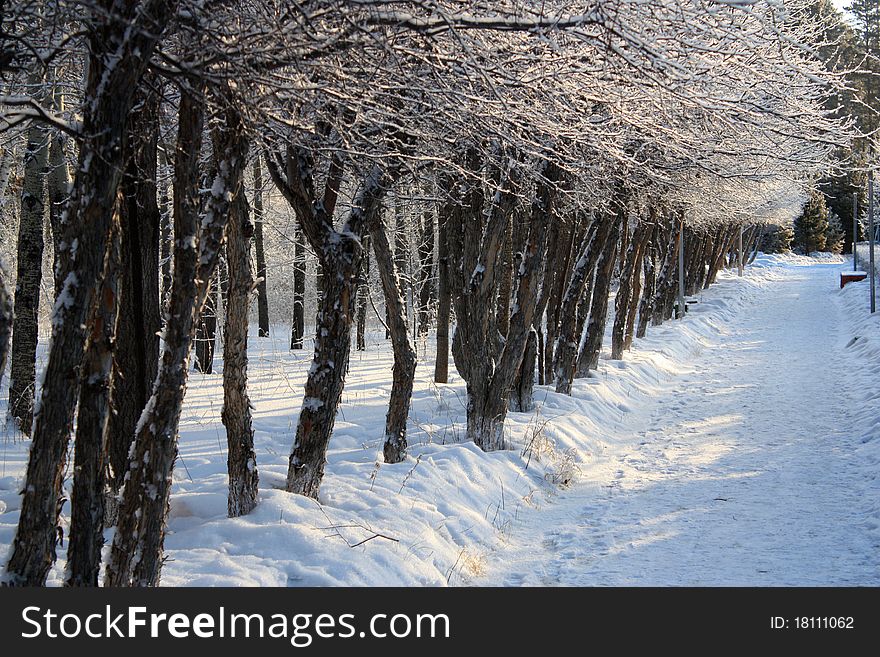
(739, 446)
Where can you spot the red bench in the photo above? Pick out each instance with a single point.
(852, 276)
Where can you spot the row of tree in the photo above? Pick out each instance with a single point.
(552, 153)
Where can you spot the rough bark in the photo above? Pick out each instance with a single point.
(139, 323)
(166, 236)
(404, 371)
(90, 446)
(363, 292)
(5, 321)
(559, 275)
(137, 551)
(629, 272)
(588, 358)
(426, 267)
(646, 306)
(521, 397)
(444, 298)
(401, 261)
(665, 279)
(297, 329)
(505, 287)
(642, 260)
(260, 252)
(566, 351)
(126, 38)
(29, 256)
(489, 365)
(58, 188)
(340, 254)
(241, 459)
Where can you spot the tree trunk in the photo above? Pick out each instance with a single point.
(206, 330)
(566, 351)
(505, 287)
(340, 253)
(297, 330)
(627, 287)
(557, 287)
(588, 359)
(139, 323)
(666, 278)
(488, 364)
(58, 188)
(401, 261)
(404, 372)
(642, 259)
(426, 267)
(22, 376)
(90, 446)
(444, 298)
(363, 292)
(165, 231)
(121, 43)
(5, 322)
(136, 554)
(260, 252)
(646, 307)
(521, 397)
(241, 459)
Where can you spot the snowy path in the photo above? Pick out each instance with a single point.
(742, 473)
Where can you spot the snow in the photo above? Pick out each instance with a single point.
(753, 464)
(737, 446)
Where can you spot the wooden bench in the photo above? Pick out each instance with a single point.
(852, 276)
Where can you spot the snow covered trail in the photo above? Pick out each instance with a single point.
(745, 471)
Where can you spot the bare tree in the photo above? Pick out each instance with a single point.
(236, 415)
(260, 251)
(121, 43)
(136, 554)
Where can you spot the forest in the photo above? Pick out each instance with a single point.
(500, 193)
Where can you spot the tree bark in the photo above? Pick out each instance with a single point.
(426, 267)
(29, 255)
(90, 446)
(566, 351)
(642, 260)
(241, 458)
(505, 287)
(444, 297)
(260, 251)
(5, 321)
(627, 287)
(297, 330)
(521, 398)
(121, 44)
(490, 365)
(665, 279)
(139, 323)
(557, 282)
(363, 292)
(404, 371)
(340, 254)
(646, 306)
(58, 188)
(136, 554)
(588, 359)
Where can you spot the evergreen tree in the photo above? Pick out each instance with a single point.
(834, 234)
(810, 227)
(777, 239)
